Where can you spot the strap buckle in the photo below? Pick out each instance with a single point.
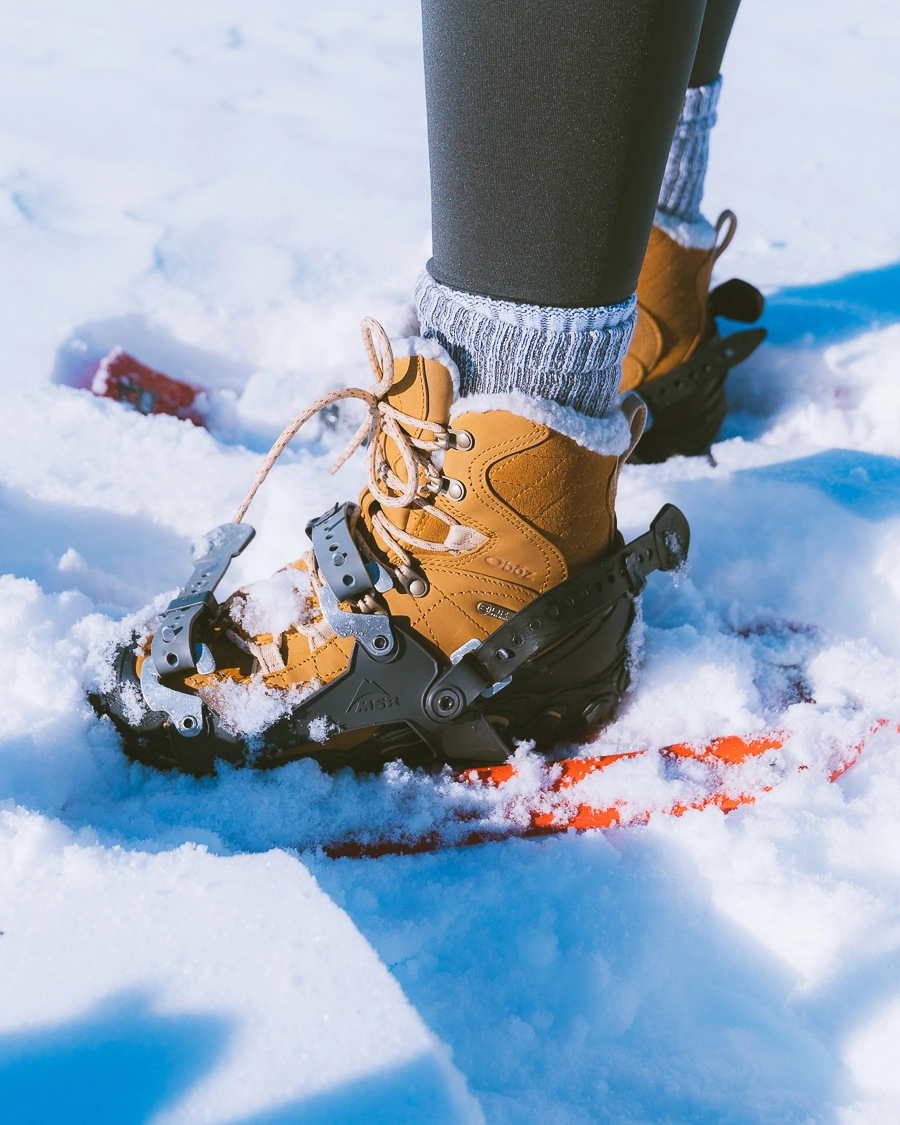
(346, 577)
(174, 648)
(340, 563)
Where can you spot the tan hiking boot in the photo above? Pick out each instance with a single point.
(673, 298)
(463, 525)
(677, 361)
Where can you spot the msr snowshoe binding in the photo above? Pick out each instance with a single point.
(678, 362)
(479, 593)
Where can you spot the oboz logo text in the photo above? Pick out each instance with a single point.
(508, 567)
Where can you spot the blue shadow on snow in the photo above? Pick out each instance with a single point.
(834, 310)
(117, 1065)
(577, 982)
(865, 483)
(411, 1094)
(122, 1063)
(138, 557)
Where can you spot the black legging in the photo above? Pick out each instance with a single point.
(549, 124)
(718, 19)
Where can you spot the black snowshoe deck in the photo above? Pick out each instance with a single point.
(551, 671)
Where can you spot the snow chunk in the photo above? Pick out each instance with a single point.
(248, 707)
(274, 604)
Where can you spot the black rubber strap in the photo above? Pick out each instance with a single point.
(710, 363)
(737, 300)
(552, 616)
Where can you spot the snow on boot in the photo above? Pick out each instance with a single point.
(477, 594)
(677, 361)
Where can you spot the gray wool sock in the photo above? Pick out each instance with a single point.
(569, 356)
(682, 186)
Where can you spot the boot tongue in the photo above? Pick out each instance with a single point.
(423, 388)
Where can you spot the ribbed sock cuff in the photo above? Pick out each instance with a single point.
(569, 356)
(682, 186)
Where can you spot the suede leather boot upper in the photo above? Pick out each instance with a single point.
(673, 298)
(502, 510)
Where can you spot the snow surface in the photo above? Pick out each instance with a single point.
(225, 192)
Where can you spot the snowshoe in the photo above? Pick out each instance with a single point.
(478, 594)
(121, 377)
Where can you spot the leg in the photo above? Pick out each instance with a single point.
(549, 128)
(682, 188)
(718, 21)
(677, 358)
(549, 125)
(478, 593)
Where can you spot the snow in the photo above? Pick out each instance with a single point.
(225, 193)
(97, 991)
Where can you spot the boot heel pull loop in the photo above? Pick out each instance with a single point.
(730, 218)
(637, 414)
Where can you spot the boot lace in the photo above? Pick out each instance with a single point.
(423, 482)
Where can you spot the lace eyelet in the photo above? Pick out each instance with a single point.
(461, 439)
(453, 489)
(413, 581)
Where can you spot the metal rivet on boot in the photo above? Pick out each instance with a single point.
(462, 439)
(453, 489)
(412, 581)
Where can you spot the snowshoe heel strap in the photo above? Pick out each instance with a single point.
(552, 616)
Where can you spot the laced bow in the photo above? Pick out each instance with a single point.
(423, 480)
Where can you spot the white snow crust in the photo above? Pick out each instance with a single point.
(225, 191)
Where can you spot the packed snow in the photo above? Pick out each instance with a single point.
(225, 192)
